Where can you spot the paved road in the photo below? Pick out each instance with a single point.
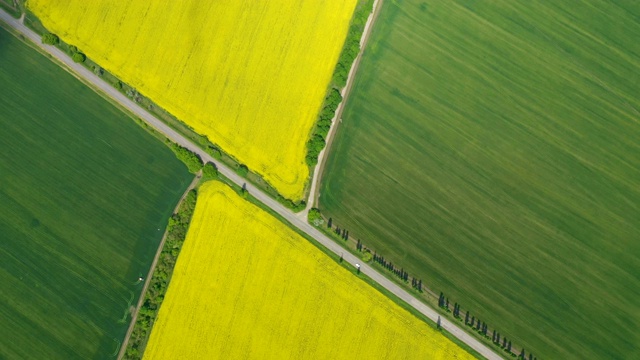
(298, 222)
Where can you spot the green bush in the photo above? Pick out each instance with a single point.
(315, 217)
(210, 171)
(189, 158)
(242, 170)
(215, 152)
(297, 207)
(366, 256)
(78, 57)
(314, 146)
(50, 39)
(352, 44)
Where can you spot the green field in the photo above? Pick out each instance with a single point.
(492, 148)
(85, 195)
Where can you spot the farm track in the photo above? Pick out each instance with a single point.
(97, 83)
(147, 280)
(314, 193)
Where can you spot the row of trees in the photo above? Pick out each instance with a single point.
(188, 157)
(159, 282)
(318, 140)
(479, 326)
(351, 46)
(349, 53)
(315, 215)
(53, 39)
(399, 272)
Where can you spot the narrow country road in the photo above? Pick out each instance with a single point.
(296, 221)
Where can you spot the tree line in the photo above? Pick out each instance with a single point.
(481, 327)
(470, 320)
(349, 52)
(53, 39)
(159, 282)
(318, 140)
(416, 283)
(188, 157)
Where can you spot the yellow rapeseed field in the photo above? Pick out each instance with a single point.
(248, 287)
(250, 75)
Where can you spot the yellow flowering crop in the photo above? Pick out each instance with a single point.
(248, 287)
(250, 75)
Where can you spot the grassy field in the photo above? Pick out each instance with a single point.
(251, 76)
(493, 149)
(84, 191)
(248, 287)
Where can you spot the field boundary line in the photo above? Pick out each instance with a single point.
(258, 194)
(314, 193)
(147, 280)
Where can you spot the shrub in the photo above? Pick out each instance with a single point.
(78, 57)
(189, 158)
(315, 217)
(215, 152)
(366, 256)
(210, 171)
(314, 146)
(50, 39)
(297, 207)
(242, 170)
